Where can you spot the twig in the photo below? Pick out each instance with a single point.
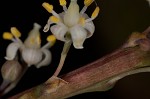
(100, 75)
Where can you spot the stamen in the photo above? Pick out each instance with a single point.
(47, 26)
(65, 8)
(83, 10)
(55, 14)
(62, 2)
(15, 32)
(88, 2)
(95, 13)
(51, 39)
(48, 7)
(7, 36)
(54, 19)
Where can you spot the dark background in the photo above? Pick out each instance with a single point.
(116, 21)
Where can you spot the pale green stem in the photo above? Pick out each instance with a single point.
(63, 56)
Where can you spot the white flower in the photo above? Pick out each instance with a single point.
(72, 21)
(31, 51)
(148, 1)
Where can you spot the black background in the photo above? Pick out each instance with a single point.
(116, 21)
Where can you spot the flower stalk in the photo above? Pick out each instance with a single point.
(65, 50)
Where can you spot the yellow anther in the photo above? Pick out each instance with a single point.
(7, 36)
(62, 2)
(48, 7)
(51, 39)
(15, 32)
(82, 21)
(54, 19)
(96, 12)
(87, 2)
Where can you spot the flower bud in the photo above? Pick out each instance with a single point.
(11, 70)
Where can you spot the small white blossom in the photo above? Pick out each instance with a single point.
(31, 51)
(72, 21)
(148, 2)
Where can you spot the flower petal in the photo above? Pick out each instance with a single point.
(89, 26)
(78, 35)
(11, 50)
(59, 31)
(31, 56)
(47, 58)
(46, 27)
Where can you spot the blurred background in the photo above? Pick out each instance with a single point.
(116, 21)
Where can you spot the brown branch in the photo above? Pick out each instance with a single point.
(99, 75)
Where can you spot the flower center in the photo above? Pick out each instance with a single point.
(72, 15)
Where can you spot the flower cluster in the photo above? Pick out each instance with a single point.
(71, 21)
(31, 51)
(70, 26)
